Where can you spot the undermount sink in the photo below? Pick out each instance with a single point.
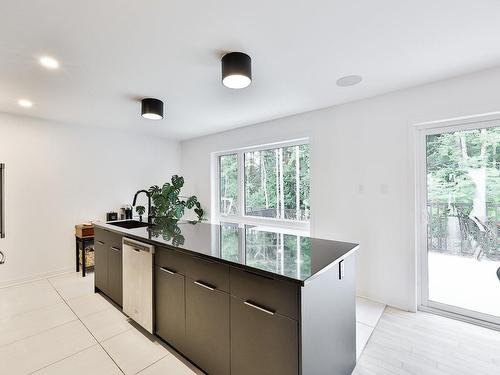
(130, 224)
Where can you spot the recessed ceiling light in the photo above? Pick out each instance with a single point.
(25, 103)
(152, 108)
(236, 70)
(349, 80)
(49, 62)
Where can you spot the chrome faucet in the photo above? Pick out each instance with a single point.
(150, 211)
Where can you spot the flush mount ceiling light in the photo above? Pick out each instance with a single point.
(349, 81)
(152, 108)
(236, 70)
(48, 62)
(25, 103)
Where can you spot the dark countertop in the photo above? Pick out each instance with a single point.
(288, 256)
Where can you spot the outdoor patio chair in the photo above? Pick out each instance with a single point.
(471, 236)
(488, 239)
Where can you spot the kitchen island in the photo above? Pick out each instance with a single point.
(243, 300)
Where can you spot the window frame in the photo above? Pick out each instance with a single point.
(241, 217)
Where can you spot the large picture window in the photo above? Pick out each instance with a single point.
(266, 184)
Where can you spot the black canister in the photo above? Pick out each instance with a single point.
(111, 216)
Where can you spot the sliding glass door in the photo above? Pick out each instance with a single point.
(461, 220)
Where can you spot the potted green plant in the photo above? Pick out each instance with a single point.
(169, 204)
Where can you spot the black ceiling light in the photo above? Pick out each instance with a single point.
(152, 108)
(236, 70)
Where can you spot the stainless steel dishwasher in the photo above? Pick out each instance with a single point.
(138, 282)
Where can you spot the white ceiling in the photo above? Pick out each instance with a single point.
(114, 52)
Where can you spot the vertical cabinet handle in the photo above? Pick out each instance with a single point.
(203, 285)
(257, 307)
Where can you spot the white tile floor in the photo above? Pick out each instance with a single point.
(368, 314)
(59, 326)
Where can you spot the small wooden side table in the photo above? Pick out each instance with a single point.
(84, 236)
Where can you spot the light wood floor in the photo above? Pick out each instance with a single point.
(426, 344)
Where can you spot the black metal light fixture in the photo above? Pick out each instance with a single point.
(152, 108)
(236, 70)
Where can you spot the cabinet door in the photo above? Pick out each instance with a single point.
(170, 307)
(101, 265)
(115, 272)
(262, 342)
(207, 328)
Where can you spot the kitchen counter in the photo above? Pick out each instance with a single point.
(235, 300)
(250, 247)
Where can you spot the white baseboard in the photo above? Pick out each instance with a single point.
(363, 295)
(36, 277)
(399, 307)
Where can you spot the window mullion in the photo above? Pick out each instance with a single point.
(276, 157)
(241, 183)
(281, 185)
(297, 184)
(217, 188)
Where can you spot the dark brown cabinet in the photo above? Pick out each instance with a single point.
(108, 264)
(262, 342)
(228, 320)
(170, 307)
(212, 273)
(115, 272)
(207, 327)
(101, 265)
(234, 319)
(279, 296)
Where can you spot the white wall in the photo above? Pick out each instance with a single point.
(58, 175)
(362, 171)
